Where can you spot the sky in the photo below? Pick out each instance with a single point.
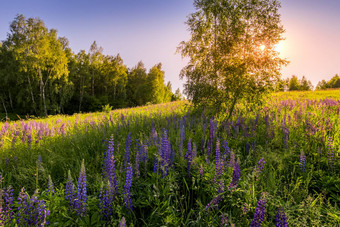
(151, 30)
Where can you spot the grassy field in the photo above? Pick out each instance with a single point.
(165, 165)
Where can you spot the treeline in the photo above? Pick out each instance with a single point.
(40, 75)
(296, 84)
(334, 82)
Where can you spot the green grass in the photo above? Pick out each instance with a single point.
(309, 198)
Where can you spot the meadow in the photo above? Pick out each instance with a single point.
(167, 165)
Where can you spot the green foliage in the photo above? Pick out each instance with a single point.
(294, 84)
(334, 82)
(40, 75)
(226, 64)
(308, 197)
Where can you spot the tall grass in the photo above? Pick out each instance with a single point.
(185, 164)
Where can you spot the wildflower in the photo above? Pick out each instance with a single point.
(80, 200)
(127, 187)
(39, 161)
(189, 156)
(236, 175)
(201, 171)
(106, 198)
(50, 189)
(286, 137)
(218, 163)
(281, 219)
(224, 220)
(127, 150)
(69, 194)
(122, 222)
(247, 148)
(7, 209)
(165, 154)
(302, 161)
(330, 154)
(259, 167)
(31, 212)
(181, 139)
(259, 212)
(109, 169)
(245, 208)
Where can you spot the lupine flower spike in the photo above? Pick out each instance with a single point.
(127, 188)
(259, 212)
(281, 219)
(81, 198)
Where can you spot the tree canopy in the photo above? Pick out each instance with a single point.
(231, 51)
(39, 74)
(334, 82)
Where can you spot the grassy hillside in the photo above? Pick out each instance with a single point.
(187, 169)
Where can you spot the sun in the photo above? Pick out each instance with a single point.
(262, 47)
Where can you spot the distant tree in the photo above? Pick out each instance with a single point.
(305, 85)
(280, 85)
(335, 82)
(322, 85)
(177, 96)
(226, 61)
(41, 60)
(96, 57)
(295, 84)
(137, 90)
(114, 80)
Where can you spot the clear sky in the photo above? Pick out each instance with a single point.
(150, 30)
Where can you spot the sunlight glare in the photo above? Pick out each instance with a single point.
(262, 47)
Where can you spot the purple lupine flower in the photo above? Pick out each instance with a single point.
(201, 171)
(302, 161)
(122, 222)
(202, 145)
(69, 193)
(286, 137)
(211, 132)
(224, 220)
(144, 152)
(281, 219)
(218, 162)
(109, 168)
(189, 156)
(236, 175)
(39, 161)
(7, 206)
(32, 212)
(164, 154)
(247, 148)
(50, 189)
(259, 167)
(330, 154)
(226, 152)
(181, 140)
(259, 212)
(127, 150)
(81, 198)
(127, 188)
(245, 208)
(208, 150)
(29, 137)
(106, 197)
